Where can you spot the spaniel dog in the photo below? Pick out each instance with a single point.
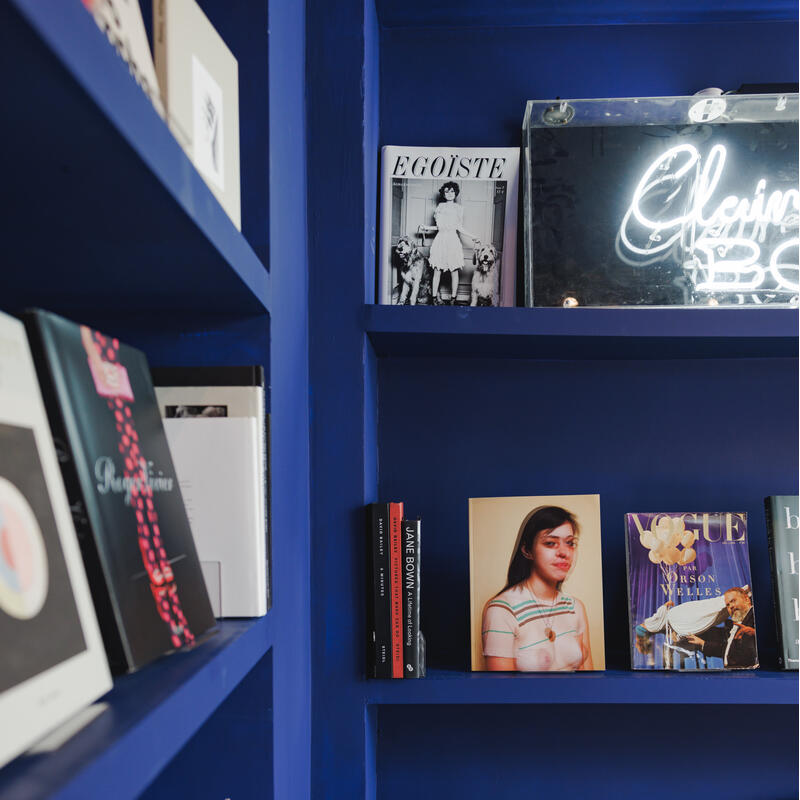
(414, 270)
(485, 288)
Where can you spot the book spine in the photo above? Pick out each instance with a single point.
(101, 598)
(395, 561)
(379, 629)
(781, 512)
(160, 49)
(411, 596)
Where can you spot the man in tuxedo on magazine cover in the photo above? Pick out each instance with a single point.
(735, 640)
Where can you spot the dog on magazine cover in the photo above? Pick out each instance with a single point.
(414, 271)
(485, 283)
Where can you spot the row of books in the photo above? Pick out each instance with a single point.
(536, 594)
(598, 229)
(122, 535)
(192, 80)
(395, 643)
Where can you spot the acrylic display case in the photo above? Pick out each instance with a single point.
(662, 201)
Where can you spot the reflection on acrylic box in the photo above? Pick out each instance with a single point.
(127, 508)
(536, 592)
(53, 662)
(662, 201)
(216, 425)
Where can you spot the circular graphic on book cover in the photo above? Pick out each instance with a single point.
(23, 558)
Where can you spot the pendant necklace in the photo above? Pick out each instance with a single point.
(548, 624)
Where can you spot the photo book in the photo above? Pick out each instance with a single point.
(536, 583)
(689, 591)
(783, 531)
(216, 426)
(53, 663)
(448, 226)
(127, 507)
(199, 81)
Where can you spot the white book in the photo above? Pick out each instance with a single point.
(218, 466)
(52, 661)
(122, 23)
(199, 81)
(448, 216)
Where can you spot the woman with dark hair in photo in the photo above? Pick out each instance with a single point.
(447, 254)
(531, 625)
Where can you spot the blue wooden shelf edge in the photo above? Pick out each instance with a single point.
(610, 687)
(634, 332)
(152, 714)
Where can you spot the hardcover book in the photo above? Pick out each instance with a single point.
(536, 585)
(233, 393)
(783, 523)
(199, 81)
(379, 626)
(412, 584)
(689, 591)
(448, 226)
(121, 21)
(52, 661)
(131, 522)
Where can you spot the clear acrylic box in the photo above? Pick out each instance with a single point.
(662, 201)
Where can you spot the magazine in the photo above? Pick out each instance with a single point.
(448, 229)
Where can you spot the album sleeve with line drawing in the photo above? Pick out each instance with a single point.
(448, 226)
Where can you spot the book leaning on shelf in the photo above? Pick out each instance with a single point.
(52, 661)
(395, 644)
(127, 508)
(216, 425)
(448, 226)
(689, 591)
(783, 529)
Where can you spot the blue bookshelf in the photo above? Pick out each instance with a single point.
(151, 715)
(655, 407)
(106, 221)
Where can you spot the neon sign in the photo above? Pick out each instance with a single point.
(745, 247)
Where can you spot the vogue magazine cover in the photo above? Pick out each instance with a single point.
(689, 591)
(536, 587)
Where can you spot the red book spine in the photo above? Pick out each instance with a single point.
(396, 568)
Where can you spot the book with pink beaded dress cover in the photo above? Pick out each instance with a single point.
(127, 507)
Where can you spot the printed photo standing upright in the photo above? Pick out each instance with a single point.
(536, 584)
(448, 227)
(689, 591)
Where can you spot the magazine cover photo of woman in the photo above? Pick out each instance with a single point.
(446, 224)
(531, 621)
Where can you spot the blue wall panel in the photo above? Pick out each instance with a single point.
(469, 86)
(658, 752)
(701, 435)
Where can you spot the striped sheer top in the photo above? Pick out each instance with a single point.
(514, 626)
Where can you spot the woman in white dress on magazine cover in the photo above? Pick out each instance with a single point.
(531, 625)
(447, 254)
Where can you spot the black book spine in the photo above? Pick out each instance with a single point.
(379, 628)
(776, 592)
(411, 597)
(104, 609)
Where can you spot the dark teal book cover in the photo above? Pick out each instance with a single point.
(783, 529)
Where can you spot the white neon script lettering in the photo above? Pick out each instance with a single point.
(723, 243)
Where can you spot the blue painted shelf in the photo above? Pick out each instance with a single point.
(527, 13)
(152, 714)
(760, 687)
(582, 333)
(94, 180)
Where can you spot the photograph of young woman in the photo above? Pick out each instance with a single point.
(534, 624)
